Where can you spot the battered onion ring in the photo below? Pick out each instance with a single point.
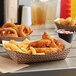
(8, 24)
(10, 33)
(30, 30)
(23, 30)
(2, 31)
(16, 28)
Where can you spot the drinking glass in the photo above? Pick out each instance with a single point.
(39, 11)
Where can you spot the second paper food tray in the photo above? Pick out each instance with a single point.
(67, 27)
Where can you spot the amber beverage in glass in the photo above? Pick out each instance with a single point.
(39, 11)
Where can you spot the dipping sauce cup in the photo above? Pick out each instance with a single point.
(66, 35)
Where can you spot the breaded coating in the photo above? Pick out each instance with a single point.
(40, 43)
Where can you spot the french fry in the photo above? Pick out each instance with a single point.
(26, 41)
(14, 42)
(58, 21)
(13, 47)
(24, 50)
(18, 45)
(5, 44)
(8, 48)
(24, 46)
(40, 53)
(29, 52)
(33, 50)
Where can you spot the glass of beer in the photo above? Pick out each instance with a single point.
(39, 12)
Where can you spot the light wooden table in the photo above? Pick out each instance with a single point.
(65, 67)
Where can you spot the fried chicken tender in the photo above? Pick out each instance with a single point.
(46, 36)
(40, 43)
(59, 44)
(47, 50)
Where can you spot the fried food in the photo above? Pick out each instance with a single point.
(33, 50)
(26, 51)
(30, 30)
(8, 25)
(29, 52)
(18, 44)
(46, 50)
(15, 30)
(13, 47)
(24, 31)
(40, 53)
(59, 44)
(55, 42)
(46, 36)
(2, 31)
(68, 21)
(26, 41)
(10, 33)
(40, 43)
(60, 21)
(47, 45)
(73, 22)
(22, 46)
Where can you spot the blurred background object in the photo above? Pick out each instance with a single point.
(20, 13)
(58, 9)
(26, 16)
(25, 2)
(39, 12)
(11, 11)
(2, 12)
(65, 10)
(73, 9)
(51, 10)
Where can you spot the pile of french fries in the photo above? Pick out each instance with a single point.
(21, 47)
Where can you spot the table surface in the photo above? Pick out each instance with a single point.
(55, 68)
